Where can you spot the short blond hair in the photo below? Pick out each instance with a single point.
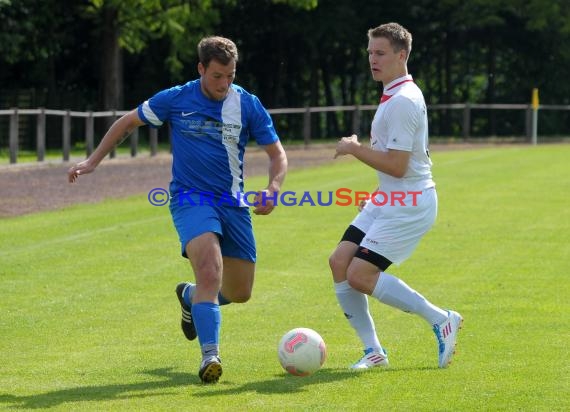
(397, 35)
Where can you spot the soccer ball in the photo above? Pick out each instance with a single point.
(302, 351)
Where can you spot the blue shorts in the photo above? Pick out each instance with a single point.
(231, 224)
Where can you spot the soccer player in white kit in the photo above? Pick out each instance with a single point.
(389, 228)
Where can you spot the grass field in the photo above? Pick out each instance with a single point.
(90, 320)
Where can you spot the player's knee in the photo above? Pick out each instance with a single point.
(337, 263)
(209, 274)
(354, 280)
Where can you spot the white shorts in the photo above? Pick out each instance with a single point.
(394, 230)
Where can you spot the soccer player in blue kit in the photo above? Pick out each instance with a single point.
(211, 120)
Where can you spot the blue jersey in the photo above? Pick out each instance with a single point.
(209, 136)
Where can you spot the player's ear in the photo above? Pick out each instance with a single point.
(201, 69)
(403, 55)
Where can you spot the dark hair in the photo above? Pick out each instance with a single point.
(217, 48)
(398, 36)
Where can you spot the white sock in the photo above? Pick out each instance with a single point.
(355, 307)
(394, 292)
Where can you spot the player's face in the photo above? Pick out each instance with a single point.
(385, 64)
(216, 79)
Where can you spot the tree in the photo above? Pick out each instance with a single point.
(292, 52)
(131, 24)
(37, 37)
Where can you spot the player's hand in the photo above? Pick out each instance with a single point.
(362, 204)
(345, 145)
(81, 168)
(265, 204)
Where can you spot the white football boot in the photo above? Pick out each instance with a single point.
(446, 335)
(372, 358)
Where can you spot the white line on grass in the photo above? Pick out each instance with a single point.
(73, 238)
(486, 155)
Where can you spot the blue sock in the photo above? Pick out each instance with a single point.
(188, 299)
(223, 301)
(207, 319)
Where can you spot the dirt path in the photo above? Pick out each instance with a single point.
(33, 187)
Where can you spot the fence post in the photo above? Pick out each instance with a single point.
(153, 141)
(466, 121)
(14, 133)
(307, 126)
(66, 135)
(134, 142)
(113, 152)
(528, 119)
(535, 106)
(89, 133)
(534, 138)
(41, 135)
(356, 120)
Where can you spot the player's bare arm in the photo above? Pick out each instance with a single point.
(277, 172)
(392, 162)
(123, 127)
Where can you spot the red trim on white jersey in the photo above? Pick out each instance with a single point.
(385, 97)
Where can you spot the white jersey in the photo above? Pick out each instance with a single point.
(400, 123)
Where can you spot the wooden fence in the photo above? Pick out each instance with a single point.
(67, 115)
